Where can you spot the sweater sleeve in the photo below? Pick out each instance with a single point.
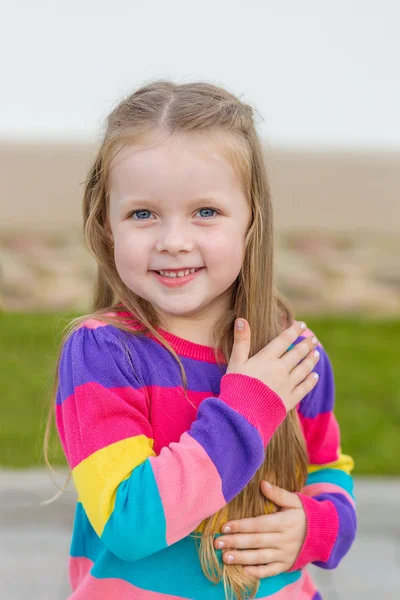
(327, 497)
(139, 503)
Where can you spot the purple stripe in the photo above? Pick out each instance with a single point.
(96, 356)
(317, 596)
(347, 529)
(233, 444)
(158, 367)
(322, 396)
(94, 351)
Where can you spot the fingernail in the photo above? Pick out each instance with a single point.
(226, 529)
(303, 325)
(239, 325)
(316, 353)
(220, 544)
(230, 558)
(268, 484)
(315, 375)
(314, 340)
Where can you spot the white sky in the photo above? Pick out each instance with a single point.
(321, 72)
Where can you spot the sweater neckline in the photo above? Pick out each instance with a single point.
(181, 346)
(187, 348)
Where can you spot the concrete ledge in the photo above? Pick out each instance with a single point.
(371, 569)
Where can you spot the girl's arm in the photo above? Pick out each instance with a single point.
(327, 497)
(139, 503)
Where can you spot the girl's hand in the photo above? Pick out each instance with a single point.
(275, 365)
(275, 540)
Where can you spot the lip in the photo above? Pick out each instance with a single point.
(179, 269)
(177, 281)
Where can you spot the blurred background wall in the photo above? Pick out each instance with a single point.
(321, 76)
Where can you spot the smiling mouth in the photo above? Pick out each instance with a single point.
(174, 274)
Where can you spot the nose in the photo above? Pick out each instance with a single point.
(174, 239)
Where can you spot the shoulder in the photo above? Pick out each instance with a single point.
(100, 356)
(321, 399)
(98, 346)
(98, 334)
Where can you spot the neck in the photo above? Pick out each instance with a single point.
(198, 328)
(193, 332)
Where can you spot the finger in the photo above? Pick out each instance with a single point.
(248, 540)
(305, 387)
(295, 355)
(303, 369)
(264, 523)
(241, 344)
(280, 496)
(279, 345)
(266, 570)
(251, 557)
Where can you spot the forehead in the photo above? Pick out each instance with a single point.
(191, 162)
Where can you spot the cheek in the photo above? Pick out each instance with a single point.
(226, 250)
(129, 255)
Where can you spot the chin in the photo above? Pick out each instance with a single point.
(178, 309)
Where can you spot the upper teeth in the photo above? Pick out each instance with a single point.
(176, 274)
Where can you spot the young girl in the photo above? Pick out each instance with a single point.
(203, 446)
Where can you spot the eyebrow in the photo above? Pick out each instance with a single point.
(130, 200)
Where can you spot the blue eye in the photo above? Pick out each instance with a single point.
(209, 209)
(140, 212)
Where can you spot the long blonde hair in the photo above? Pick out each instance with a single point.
(203, 109)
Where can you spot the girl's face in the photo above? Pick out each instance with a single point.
(178, 205)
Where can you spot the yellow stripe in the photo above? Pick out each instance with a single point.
(97, 477)
(344, 463)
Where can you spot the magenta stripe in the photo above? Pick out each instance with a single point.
(347, 529)
(323, 438)
(94, 417)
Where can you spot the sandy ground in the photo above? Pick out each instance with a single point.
(41, 187)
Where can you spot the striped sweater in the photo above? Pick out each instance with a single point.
(149, 466)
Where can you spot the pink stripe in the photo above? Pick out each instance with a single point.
(186, 499)
(78, 569)
(91, 588)
(323, 437)
(326, 488)
(96, 323)
(99, 418)
(180, 414)
(302, 589)
(92, 324)
(87, 587)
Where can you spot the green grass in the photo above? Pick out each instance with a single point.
(364, 355)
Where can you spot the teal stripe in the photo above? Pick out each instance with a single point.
(335, 476)
(136, 529)
(85, 541)
(176, 571)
